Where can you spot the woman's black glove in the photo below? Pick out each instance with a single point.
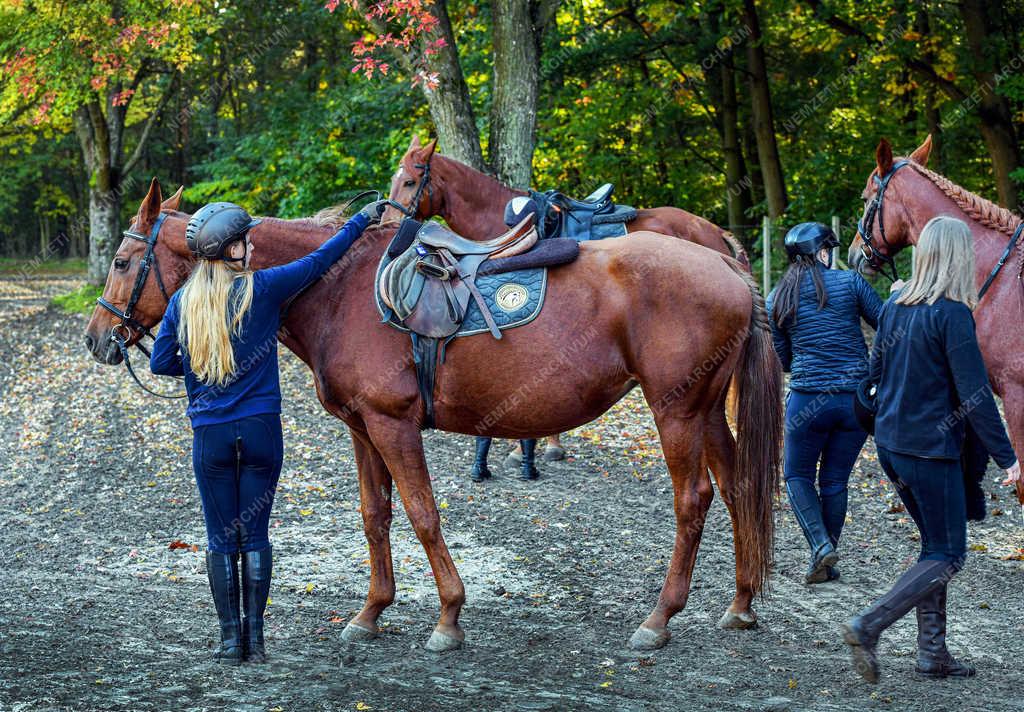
(373, 211)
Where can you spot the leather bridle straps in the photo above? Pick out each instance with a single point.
(424, 184)
(865, 226)
(1002, 260)
(127, 316)
(146, 264)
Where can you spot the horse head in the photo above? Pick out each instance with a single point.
(885, 227)
(411, 185)
(150, 264)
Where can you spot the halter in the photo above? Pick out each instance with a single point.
(413, 208)
(129, 323)
(866, 225)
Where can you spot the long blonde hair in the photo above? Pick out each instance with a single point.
(211, 313)
(943, 264)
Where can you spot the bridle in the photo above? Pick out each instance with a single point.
(866, 225)
(424, 184)
(129, 324)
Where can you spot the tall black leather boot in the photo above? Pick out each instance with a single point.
(933, 658)
(480, 471)
(256, 568)
(529, 471)
(222, 570)
(803, 498)
(920, 581)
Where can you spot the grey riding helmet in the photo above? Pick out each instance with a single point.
(809, 237)
(214, 227)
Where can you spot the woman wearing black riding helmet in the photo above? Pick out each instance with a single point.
(220, 333)
(816, 326)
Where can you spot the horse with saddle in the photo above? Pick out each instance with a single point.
(437, 285)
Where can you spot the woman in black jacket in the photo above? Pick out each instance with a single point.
(930, 376)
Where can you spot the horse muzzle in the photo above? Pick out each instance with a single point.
(104, 349)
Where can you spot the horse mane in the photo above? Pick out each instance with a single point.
(977, 208)
(476, 173)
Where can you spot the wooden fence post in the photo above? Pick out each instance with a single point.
(766, 255)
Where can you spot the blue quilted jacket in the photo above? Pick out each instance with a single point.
(824, 349)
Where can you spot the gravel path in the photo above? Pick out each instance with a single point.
(98, 612)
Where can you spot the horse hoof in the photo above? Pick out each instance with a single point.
(647, 639)
(553, 453)
(442, 642)
(514, 460)
(355, 633)
(738, 621)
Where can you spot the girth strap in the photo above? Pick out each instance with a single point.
(424, 356)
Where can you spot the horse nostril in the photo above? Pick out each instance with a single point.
(90, 343)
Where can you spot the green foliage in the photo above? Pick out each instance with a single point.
(80, 301)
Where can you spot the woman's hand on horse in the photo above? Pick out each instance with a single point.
(1012, 474)
(374, 210)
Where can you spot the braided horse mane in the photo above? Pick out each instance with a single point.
(977, 208)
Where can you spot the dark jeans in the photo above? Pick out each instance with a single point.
(237, 465)
(933, 492)
(821, 428)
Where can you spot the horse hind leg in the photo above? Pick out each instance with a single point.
(375, 503)
(681, 441)
(720, 451)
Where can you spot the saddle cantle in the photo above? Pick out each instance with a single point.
(437, 286)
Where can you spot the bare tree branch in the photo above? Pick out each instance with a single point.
(148, 128)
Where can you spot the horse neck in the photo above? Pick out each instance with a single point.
(473, 202)
(923, 200)
(278, 242)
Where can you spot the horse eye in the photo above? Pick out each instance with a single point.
(410, 183)
(120, 264)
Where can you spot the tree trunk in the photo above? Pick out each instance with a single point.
(514, 105)
(993, 109)
(761, 110)
(104, 237)
(449, 102)
(737, 182)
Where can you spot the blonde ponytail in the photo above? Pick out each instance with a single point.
(210, 316)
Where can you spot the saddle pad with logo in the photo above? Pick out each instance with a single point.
(514, 299)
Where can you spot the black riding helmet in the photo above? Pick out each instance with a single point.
(214, 227)
(808, 238)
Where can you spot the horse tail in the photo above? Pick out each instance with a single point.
(736, 248)
(757, 385)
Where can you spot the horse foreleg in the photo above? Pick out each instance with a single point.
(1013, 408)
(401, 446)
(375, 504)
(720, 450)
(681, 441)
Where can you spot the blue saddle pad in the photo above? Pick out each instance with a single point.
(514, 298)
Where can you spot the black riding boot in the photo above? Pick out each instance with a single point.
(222, 570)
(529, 472)
(933, 658)
(919, 582)
(256, 566)
(803, 498)
(480, 471)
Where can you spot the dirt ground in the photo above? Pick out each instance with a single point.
(98, 612)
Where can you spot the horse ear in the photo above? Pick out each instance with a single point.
(174, 201)
(428, 150)
(921, 153)
(883, 157)
(150, 207)
(415, 143)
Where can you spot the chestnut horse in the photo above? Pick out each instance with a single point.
(473, 203)
(912, 196)
(696, 322)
